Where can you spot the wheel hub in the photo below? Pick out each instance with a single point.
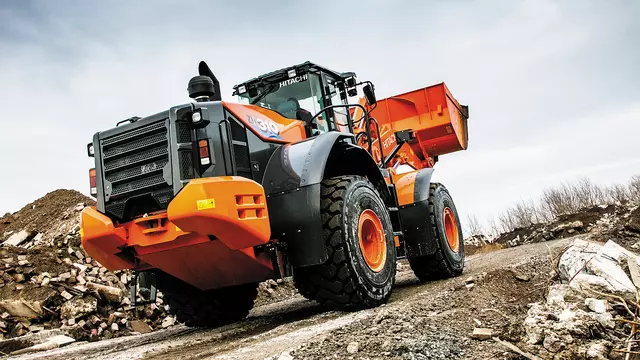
(372, 240)
(451, 230)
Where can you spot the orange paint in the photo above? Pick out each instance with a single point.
(289, 130)
(211, 226)
(237, 215)
(405, 187)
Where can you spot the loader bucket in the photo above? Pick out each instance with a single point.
(438, 120)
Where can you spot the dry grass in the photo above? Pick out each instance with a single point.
(489, 248)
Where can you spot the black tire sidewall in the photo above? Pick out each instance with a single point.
(442, 200)
(361, 196)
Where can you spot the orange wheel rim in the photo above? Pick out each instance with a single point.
(372, 241)
(451, 230)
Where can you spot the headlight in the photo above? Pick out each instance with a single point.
(90, 150)
(196, 117)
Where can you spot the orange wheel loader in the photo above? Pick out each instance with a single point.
(207, 199)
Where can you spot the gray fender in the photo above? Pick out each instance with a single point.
(292, 184)
(419, 238)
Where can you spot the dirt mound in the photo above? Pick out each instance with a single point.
(44, 216)
(618, 222)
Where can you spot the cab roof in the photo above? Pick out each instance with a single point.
(306, 67)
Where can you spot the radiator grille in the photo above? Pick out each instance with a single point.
(133, 164)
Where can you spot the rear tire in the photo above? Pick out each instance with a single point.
(211, 308)
(448, 260)
(360, 271)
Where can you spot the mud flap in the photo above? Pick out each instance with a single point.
(297, 222)
(419, 237)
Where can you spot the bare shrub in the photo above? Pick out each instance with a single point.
(572, 197)
(634, 189)
(473, 227)
(617, 194)
(523, 214)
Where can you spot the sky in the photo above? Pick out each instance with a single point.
(553, 87)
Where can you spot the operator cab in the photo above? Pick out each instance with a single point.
(301, 92)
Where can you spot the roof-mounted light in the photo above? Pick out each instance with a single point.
(291, 73)
(242, 89)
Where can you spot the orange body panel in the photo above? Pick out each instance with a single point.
(434, 115)
(231, 209)
(259, 119)
(405, 187)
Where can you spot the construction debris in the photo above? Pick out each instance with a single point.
(47, 282)
(482, 333)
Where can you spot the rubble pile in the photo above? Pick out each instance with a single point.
(48, 282)
(619, 222)
(590, 313)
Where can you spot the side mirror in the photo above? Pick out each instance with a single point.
(369, 94)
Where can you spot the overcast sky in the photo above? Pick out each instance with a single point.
(553, 86)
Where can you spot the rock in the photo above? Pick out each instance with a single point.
(38, 238)
(352, 348)
(481, 333)
(66, 295)
(114, 327)
(110, 293)
(597, 351)
(285, 355)
(79, 307)
(19, 278)
(469, 280)
(553, 343)
(602, 270)
(140, 326)
(23, 308)
(596, 305)
(104, 326)
(168, 321)
(61, 340)
(470, 286)
(522, 277)
(18, 238)
(36, 328)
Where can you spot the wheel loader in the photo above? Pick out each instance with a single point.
(205, 200)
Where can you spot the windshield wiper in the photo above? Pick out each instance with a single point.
(266, 91)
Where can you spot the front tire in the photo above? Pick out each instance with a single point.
(448, 260)
(360, 271)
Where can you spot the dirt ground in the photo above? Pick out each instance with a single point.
(421, 321)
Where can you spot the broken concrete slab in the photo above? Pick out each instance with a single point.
(78, 307)
(18, 238)
(597, 266)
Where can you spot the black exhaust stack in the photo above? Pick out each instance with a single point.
(204, 87)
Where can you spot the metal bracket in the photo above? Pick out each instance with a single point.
(151, 281)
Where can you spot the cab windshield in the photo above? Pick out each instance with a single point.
(288, 96)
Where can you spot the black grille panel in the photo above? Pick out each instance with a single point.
(186, 165)
(184, 132)
(133, 164)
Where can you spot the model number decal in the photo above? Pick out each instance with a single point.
(267, 128)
